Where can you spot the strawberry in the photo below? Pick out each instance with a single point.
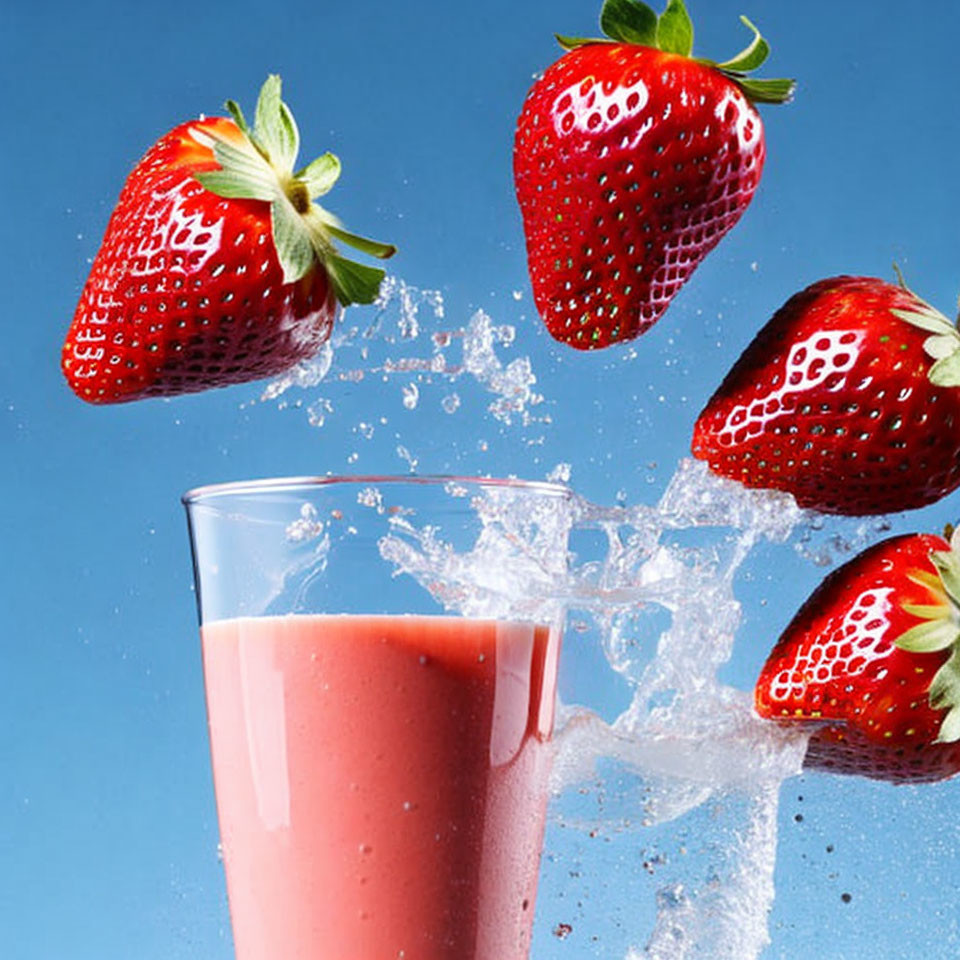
(216, 266)
(631, 161)
(871, 664)
(847, 399)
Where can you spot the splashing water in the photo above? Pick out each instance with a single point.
(687, 740)
(520, 542)
(687, 743)
(686, 756)
(412, 321)
(306, 374)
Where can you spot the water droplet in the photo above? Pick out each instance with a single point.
(411, 396)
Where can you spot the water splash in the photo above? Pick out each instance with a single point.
(511, 383)
(687, 739)
(727, 919)
(687, 742)
(404, 454)
(410, 300)
(410, 339)
(318, 411)
(521, 540)
(306, 374)
(308, 526)
(411, 396)
(825, 547)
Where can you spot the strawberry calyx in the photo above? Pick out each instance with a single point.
(939, 630)
(943, 344)
(260, 165)
(632, 21)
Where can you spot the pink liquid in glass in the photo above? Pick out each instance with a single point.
(381, 783)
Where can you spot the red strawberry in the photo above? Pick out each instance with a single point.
(871, 663)
(216, 266)
(847, 399)
(631, 161)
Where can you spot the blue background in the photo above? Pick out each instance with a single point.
(107, 826)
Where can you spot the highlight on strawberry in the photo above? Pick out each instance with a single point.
(871, 664)
(218, 266)
(848, 399)
(632, 159)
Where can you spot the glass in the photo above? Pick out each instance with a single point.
(380, 659)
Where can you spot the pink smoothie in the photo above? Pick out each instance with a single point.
(381, 783)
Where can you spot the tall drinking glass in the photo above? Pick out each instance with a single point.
(380, 660)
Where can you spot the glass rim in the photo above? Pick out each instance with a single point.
(215, 491)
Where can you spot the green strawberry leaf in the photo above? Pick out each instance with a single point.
(372, 247)
(274, 129)
(353, 282)
(572, 43)
(267, 111)
(929, 636)
(947, 564)
(259, 166)
(751, 57)
(233, 108)
(291, 136)
(778, 90)
(292, 241)
(945, 687)
(245, 160)
(928, 579)
(927, 611)
(243, 171)
(629, 21)
(675, 29)
(233, 185)
(632, 21)
(941, 345)
(939, 629)
(927, 318)
(950, 728)
(320, 175)
(945, 694)
(946, 372)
